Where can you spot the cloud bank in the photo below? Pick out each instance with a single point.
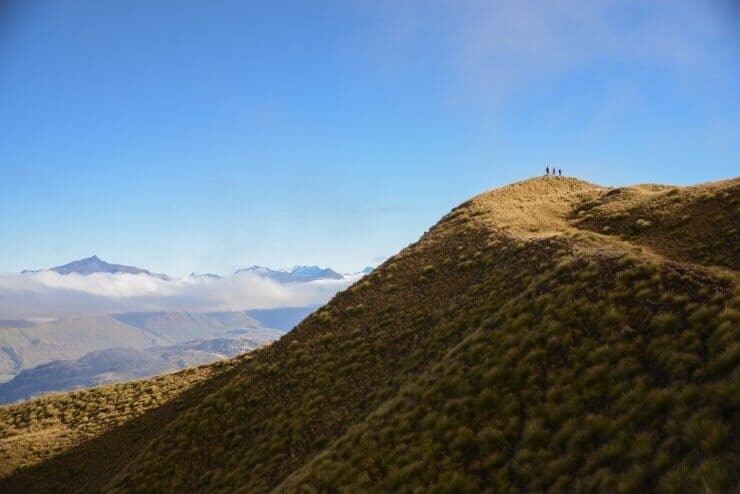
(492, 49)
(49, 294)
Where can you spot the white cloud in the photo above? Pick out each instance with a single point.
(489, 49)
(49, 294)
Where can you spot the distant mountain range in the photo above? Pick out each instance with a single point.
(59, 353)
(94, 264)
(67, 353)
(25, 346)
(294, 274)
(123, 364)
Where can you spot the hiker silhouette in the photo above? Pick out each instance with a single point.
(547, 170)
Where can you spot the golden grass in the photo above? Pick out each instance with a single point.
(538, 338)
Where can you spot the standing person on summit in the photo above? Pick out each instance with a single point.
(560, 172)
(547, 170)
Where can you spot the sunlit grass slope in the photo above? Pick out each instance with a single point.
(532, 340)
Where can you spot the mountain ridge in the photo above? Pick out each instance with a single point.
(294, 274)
(93, 264)
(518, 345)
(120, 364)
(24, 348)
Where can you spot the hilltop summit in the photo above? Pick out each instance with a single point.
(551, 335)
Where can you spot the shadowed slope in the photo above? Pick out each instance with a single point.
(696, 224)
(456, 363)
(574, 384)
(78, 441)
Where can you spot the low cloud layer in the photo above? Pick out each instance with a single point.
(49, 294)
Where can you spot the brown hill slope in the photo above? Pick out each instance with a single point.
(698, 224)
(517, 346)
(80, 440)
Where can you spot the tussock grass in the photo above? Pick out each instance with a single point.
(517, 346)
(696, 224)
(38, 438)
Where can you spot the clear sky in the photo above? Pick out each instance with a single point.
(208, 136)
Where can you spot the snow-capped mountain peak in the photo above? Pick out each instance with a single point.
(94, 264)
(294, 274)
(314, 273)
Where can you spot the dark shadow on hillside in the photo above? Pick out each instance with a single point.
(92, 464)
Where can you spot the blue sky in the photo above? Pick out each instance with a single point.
(208, 136)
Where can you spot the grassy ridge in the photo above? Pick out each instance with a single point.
(698, 224)
(519, 345)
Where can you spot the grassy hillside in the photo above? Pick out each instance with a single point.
(534, 339)
(80, 440)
